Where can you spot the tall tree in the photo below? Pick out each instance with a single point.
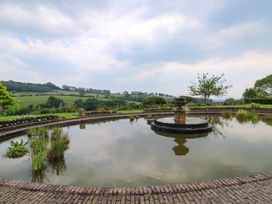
(251, 93)
(209, 86)
(264, 86)
(5, 98)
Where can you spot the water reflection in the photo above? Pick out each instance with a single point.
(119, 153)
(57, 166)
(181, 139)
(38, 176)
(82, 126)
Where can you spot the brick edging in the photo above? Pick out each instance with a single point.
(139, 190)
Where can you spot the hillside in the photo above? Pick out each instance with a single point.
(14, 86)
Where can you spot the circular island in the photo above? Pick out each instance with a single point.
(180, 123)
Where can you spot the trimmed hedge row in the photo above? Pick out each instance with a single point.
(26, 120)
(258, 100)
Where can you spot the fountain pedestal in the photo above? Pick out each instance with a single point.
(181, 124)
(179, 116)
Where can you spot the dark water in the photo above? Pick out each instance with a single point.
(124, 153)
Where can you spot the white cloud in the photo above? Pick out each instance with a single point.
(241, 72)
(131, 45)
(43, 18)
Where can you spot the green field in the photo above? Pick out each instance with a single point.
(25, 101)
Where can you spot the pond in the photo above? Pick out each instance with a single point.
(125, 153)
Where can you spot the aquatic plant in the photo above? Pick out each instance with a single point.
(57, 149)
(56, 133)
(227, 114)
(38, 161)
(17, 149)
(42, 132)
(38, 132)
(59, 143)
(38, 145)
(244, 116)
(31, 132)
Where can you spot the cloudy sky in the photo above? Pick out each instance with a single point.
(140, 45)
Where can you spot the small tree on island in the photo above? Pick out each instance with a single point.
(209, 86)
(6, 99)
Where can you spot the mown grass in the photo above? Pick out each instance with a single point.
(130, 111)
(234, 106)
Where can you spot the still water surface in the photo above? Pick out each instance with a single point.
(124, 153)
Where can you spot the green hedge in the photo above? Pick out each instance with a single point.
(258, 100)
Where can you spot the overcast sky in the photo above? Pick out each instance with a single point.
(140, 45)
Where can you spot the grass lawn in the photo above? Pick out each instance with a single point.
(131, 111)
(233, 106)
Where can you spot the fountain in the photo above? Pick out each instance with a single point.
(181, 123)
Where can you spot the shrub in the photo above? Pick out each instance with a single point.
(230, 101)
(17, 149)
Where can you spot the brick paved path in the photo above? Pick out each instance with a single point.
(249, 189)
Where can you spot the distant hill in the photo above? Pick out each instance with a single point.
(29, 87)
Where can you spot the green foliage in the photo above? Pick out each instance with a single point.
(26, 87)
(230, 101)
(267, 119)
(38, 145)
(258, 100)
(261, 89)
(81, 92)
(79, 103)
(227, 114)
(243, 115)
(264, 86)
(59, 143)
(37, 131)
(251, 93)
(209, 86)
(56, 133)
(17, 149)
(154, 100)
(255, 105)
(54, 102)
(38, 161)
(6, 100)
(57, 149)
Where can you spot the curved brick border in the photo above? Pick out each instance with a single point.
(245, 189)
(138, 190)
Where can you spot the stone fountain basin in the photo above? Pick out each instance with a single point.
(191, 125)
